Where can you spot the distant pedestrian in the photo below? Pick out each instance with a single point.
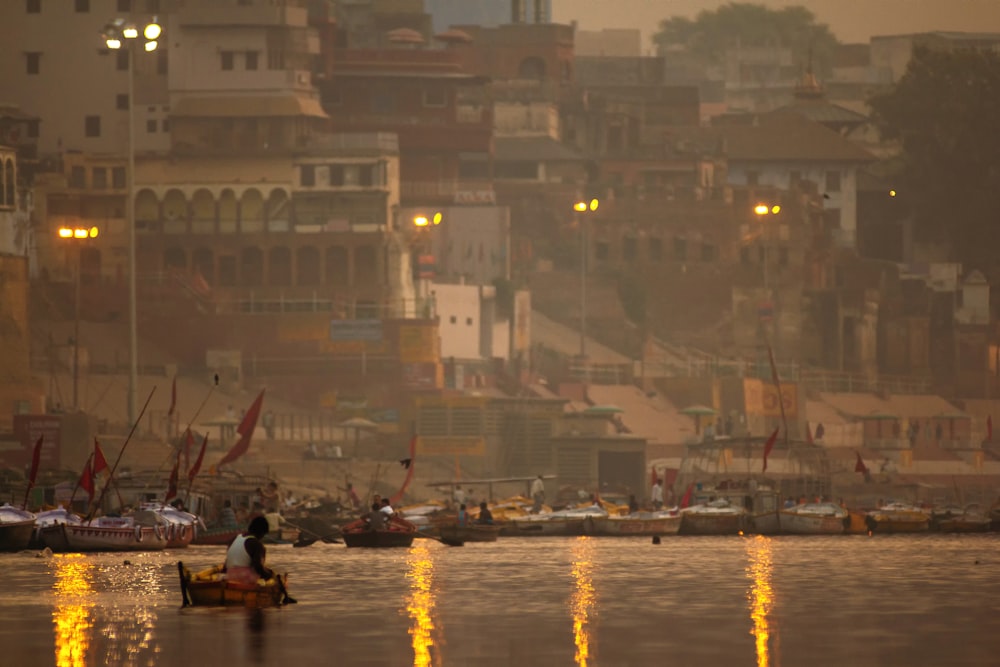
(656, 495)
(537, 494)
(485, 515)
(633, 504)
(820, 431)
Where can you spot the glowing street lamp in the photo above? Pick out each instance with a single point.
(77, 234)
(584, 206)
(120, 34)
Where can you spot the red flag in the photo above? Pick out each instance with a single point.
(989, 428)
(87, 480)
(245, 429)
(768, 446)
(193, 471)
(396, 497)
(173, 398)
(860, 465)
(36, 458)
(686, 500)
(100, 463)
(172, 484)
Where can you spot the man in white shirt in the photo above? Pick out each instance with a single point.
(537, 494)
(386, 508)
(656, 495)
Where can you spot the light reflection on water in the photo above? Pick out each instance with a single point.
(760, 594)
(420, 604)
(71, 615)
(584, 600)
(859, 601)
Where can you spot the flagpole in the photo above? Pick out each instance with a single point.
(111, 475)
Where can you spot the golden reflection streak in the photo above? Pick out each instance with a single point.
(584, 597)
(71, 616)
(420, 605)
(760, 595)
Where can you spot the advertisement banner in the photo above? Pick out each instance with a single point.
(417, 344)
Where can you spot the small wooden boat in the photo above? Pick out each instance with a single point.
(573, 522)
(814, 519)
(717, 517)
(958, 520)
(899, 518)
(397, 533)
(474, 532)
(16, 528)
(640, 524)
(209, 588)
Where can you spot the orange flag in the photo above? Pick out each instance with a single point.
(768, 446)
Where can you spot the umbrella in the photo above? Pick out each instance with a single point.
(359, 423)
(698, 411)
(603, 410)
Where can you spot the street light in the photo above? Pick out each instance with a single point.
(77, 234)
(422, 224)
(583, 206)
(762, 210)
(120, 34)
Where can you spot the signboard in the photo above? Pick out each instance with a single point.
(761, 398)
(475, 197)
(417, 344)
(451, 445)
(352, 330)
(422, 376)
(27, 429)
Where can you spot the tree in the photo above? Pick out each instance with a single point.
(712, 33)
(944, 111)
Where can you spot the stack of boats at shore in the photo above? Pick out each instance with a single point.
(151, 527)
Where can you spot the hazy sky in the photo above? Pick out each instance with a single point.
(850, 20)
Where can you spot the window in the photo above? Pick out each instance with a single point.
(752, 178)
(33, 61)
(33, 6)
(336, 175)
(655, 250)
(435, 98)
(453, 319)
(680, 248)
(468, 321)
(121, 59)
(367, 176)
(383, 103)
(251, 60)
(92, 126)
(99, 178)
(77, 177)
(352, 174)
(121, 101)
(118, 177)
(833, 181)
(125, 5)
(307, 175)
(227, 60)
(151, 126)
(276, 60)
(628, 248)
(82, 6)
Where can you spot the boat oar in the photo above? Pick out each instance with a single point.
(286, 599)
(315, 536)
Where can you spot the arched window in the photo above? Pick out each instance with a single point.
(175, 212)
(337, 268)
(252, 267)
(278, 211)
(147, 209)
(228, 212)
(202, 212)
(252, 211)
(307, 267)
(279, 267)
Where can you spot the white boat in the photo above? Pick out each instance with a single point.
(16, 528)
(578, 521)
(138, 532)
(181, 527)
(898, 518)
(716, 517)
(814, 519)
(638, 524)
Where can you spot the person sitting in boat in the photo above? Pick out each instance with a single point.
(463, 516)
(376, 518)
(227, 517)
(386, 508)
(485, 515)
(245, 558)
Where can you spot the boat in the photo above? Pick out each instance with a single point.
(473, 532)
(639, 524)
(716, 517)
(16, 528)
(138, 532)
(970, 519)
(180, 526)
(576, 521)
(210, 588)
(397, 533)
(217, 536)
(898, 518)
(814, 519)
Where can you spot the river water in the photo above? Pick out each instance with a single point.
(704, 601)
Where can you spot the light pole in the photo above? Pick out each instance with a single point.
(119, 34)
(762, 211)
(422, 225)
(79, 234)
(581, 207)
